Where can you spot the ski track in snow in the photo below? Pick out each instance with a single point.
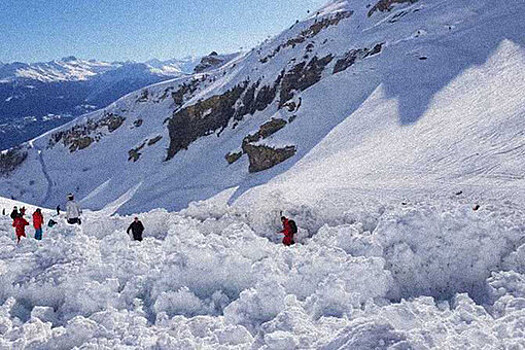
(49, 188)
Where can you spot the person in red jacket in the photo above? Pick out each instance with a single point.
(287, 231)
(38, 219)
(20, 227)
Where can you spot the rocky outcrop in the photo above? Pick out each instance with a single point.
(214, 113)
(134, 154)
(232, 157)
(267, 129)
(302, 76)
(154, 140)
(264, 157)
(143, 96)
(82, 136)
(80, 143)
(11, 159)
(209, 62)
(138, 123)
(184, 90)
(202, 118)
(352, 56)
(309, 33)
(386, 5)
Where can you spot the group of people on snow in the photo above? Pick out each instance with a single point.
(73, 212)
(136, 228)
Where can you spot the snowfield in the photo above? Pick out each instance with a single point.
(382, 275)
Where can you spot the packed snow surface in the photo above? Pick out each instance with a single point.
(382, 274)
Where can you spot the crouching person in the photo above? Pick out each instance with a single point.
(136, 229)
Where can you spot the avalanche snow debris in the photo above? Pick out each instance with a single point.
(381, 277)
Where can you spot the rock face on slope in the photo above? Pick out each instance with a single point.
(82, 136)
(264, 157)
(386, 5)
(212, 61)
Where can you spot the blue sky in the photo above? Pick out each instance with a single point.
(43, 30)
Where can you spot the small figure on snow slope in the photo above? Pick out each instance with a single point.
(38, 220)
(289, 229)
(136, 229)
(73, 210)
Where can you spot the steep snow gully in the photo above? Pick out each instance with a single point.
(431, 273)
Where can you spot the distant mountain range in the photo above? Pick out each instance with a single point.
(36, 97)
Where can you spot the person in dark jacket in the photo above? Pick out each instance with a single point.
(136, 229)
(14, 213)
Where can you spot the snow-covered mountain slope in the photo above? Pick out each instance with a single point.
(381, 276)
(400, 94)
(35, 98)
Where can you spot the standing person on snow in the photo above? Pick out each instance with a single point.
(72, 211)
(289, 229)
(58, 210)
(136, 229)
(20, 227)
(14, 213)
(38, 220)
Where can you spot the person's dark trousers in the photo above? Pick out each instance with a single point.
(74, 221)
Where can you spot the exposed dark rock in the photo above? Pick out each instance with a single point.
(267, 129)
(165, 93)
(134, 154)
(80, 143)
(83, 135)
(143, 96)
(264, 157)
(184, 89)
(202, 118)
(292, 118)
(233, 157)
(302, 76)
(11, 159)
(386, 5)
(271, 127)
(154, 140)
(309, 33)
(353, 55)
(208, 62)
(113, 122)
(137, 123)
